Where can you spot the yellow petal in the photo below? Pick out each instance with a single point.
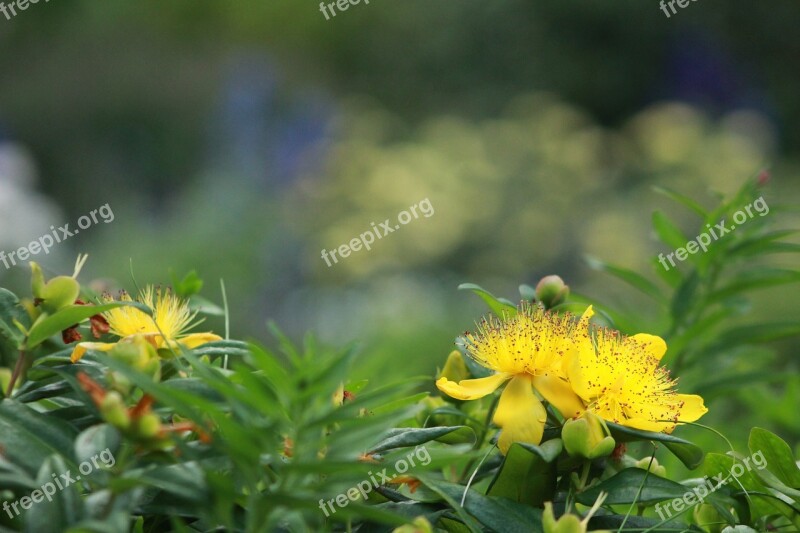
(693, 407)
(471, 389)
(654, 345)
(648, 425)
(559, 393)
(197, 339)
(80, 349)
(520, 414)
(581, 370)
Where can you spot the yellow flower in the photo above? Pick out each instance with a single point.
(165, 329)
(620, 379)
(529, 351)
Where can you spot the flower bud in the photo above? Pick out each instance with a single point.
(136, 353)
(427, 414)
(37, 281)
(708, 518)
(59, 292)
(455, 369)
(115, 411)
(148, 426)
(568, 523)
(551, 291)
(5, 380)
(119, 382)
(587, 437)
(419, 525)
(655, 468)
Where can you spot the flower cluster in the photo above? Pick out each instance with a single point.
(166, 329)
(577, 368)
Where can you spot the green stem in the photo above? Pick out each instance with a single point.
(585, 474)
(17, 372)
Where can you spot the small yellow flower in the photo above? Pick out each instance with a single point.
(620, 379)
(529, 351)
(165, 329)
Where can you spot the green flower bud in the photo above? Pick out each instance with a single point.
(455, 369)
(148, 426)
(587, 437)
(430, 404)
(568, 523)
(60, 292)
(551, 291)
(119, 382)
(707, 517)
(114, 411)
(5, 379)
(137, 353)
(419, 525)
(655, 468)
(153, 369)
(37, 281)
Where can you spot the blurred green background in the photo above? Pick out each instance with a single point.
(241, 138)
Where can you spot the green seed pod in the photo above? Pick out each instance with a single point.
(60, 292)
(587, 437)
(455, 369)
(551, 291)
(707, 517)
(419, 525)
(148, 426)
(114, 411)
(119, 383)
(37, 281)
(568, 523)
(655, 468)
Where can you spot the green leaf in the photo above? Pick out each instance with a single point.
(205, 306)
(764, 243)
(11, 311)
(623, 487)
(528, 473)
(719, 467)
(408, 437)
(684, 296)
(755, 334)
(499, 306)
(497, 514)
(755, 279)
(185, 481)
(221, 348)
(28, 437)
(46, 327)
(96, 439)
(189, 285)
(639, 524)
(66, 507)
(633, 279)
(682, 199)
(668, 232)
(778, 456)
(690, 454)
(526, 292)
